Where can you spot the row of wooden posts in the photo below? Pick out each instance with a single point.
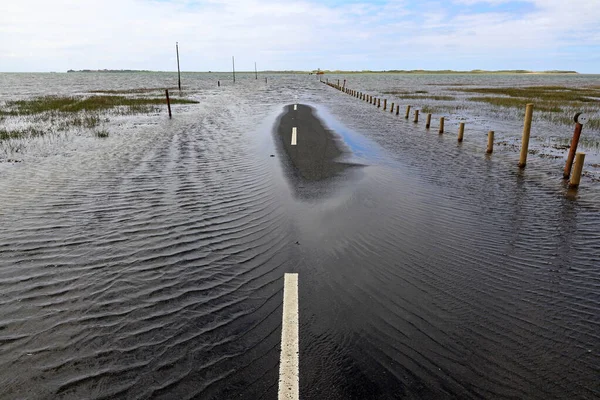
(573, 154)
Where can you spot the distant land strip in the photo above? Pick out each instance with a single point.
(391, 71)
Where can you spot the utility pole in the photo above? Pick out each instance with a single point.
(178, 70)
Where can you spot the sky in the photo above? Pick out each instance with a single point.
(537, 35)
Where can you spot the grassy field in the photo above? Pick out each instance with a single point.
(557, 103)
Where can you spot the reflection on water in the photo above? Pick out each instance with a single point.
(150, 264)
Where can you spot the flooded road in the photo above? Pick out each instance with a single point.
(150, 264)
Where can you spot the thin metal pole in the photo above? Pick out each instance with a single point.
(178, 70)
(255, 71)
(233, 61)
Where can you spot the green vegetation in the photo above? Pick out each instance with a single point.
(133, 91)
(408, 95)
(56, 114)
(102, 133)
(557, 103)
(77, 104)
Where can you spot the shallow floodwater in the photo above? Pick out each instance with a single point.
(150, 263)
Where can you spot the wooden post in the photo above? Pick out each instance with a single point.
(384, 104)
(392, 108)
(265, 80)
(407, 112)
(219, 83)
(572, 150)
(397, 109)
(490, 144)
(428, 123)
(461, 131)
(416, 116)
(577, 170)
(378, 103)
(255, 71)
(526, 132)
(178, 70)
(441, 125)
(233, 62)
(168, 102)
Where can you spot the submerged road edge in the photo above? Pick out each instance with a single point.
(289, 378)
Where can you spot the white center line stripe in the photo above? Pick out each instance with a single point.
(295, 107)
(294, 134)
(289, 379)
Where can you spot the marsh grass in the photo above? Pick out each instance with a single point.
(21, 133)
(134, 91)
(53, 104)
(557, 104)
(101, 133)
(418, 95)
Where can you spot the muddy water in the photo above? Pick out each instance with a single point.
(150, 264)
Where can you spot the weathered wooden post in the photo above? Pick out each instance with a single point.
(577, 170)
(398, 109)
(384, 104)
(219, 83)
(428, 123)
(526, 132)
(378, 103)
(441, 125)
(168, 102)
(416, 116)
(580, 119)
(490, 143)
(461, 131)
(392, 108)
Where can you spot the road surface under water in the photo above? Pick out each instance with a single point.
(151, 264)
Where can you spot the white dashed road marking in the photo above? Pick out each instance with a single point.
(289, 379)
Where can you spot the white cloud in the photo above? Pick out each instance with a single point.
(37, 35)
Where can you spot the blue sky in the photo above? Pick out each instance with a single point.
(56, 35)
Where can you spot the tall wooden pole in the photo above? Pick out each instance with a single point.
(178, 70)
(233, 62)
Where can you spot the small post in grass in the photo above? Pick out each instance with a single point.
(461, 131)
(577, 170)
(168, 102)
(428, 123)
(416, 116)
(441, 125)
(490, 143)
(407, 112)
(526, 132)
(580, 119)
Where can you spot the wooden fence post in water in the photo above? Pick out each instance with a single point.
(407, 112)
(219, 83)
(168, 102)
(428, 123)
(580, 119)
(441, 125)
(178, 70)
(416, 116)
(398, 109)
(384, 104)
(392, 108)
(378, 103)
(577, 170)
(526, 132)
(461, 131)
(490, 144)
